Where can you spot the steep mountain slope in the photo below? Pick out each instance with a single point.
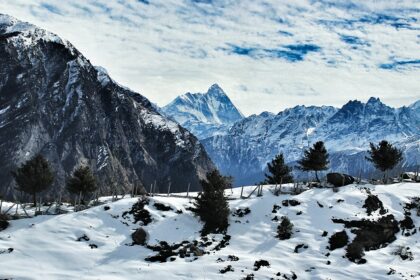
(204, 114)
(96, 243)
(53, 101)
(244, 151)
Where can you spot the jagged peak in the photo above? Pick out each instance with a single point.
(11, 25)
(216, 90)
(374, 100)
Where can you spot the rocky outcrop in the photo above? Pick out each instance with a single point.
(54, 102)
(339, 179)
(139, 237)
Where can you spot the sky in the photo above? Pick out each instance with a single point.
(267, 55)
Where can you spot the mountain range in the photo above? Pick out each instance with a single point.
(242, 149)
(54, 102)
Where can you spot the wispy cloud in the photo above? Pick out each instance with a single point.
(304, 51)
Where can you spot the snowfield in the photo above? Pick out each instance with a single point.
(46, 247)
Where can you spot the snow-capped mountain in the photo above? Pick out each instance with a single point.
(204, 114)
(54, 102)
(244, 151)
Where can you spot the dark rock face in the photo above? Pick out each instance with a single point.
(338, 240)
(339, 179)
(3, 222)
(54, 102)
(139, 236)
(370, 235)
(372, 203)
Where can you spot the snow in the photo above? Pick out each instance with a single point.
(4, 110)
(46, 246)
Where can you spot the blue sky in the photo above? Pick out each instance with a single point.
(267, 55)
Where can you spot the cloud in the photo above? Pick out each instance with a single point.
(333, 50)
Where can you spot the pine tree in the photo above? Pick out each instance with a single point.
(82, 182)
(280, 172)
(315, 159)
(212, 206)
(384, 156)
(34, 176)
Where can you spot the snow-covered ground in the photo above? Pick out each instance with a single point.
(46, 247)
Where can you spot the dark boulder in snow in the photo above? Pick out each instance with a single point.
(372, 204)
(339, 179)
(139, 236)
(338, 240)
(370, 235)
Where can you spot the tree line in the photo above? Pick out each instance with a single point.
(384, 157)
(35, 176)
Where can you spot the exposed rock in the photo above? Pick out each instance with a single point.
(372, 203)
(226, 269)
(300, 246)
(162, 207)
(258, 264)
(339, 179)
(139, 213)
(338, 240)
(84, 237)
(241, 212)
(139, 236)
(291, 202)
(370, 235)
(232, 258)
(404, 253)
(61, 106)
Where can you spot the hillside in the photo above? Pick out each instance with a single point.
(46, 247)
(53, 101)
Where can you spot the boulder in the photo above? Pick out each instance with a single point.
(339, 179)
(139, 236)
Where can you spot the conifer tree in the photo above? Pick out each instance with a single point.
(82, 182)
(34, 176)
(212, 206)
(315, 159)
(384, 156)
(280, 173)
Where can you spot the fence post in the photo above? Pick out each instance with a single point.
(169, 187)
(242, 191)
(188, 189)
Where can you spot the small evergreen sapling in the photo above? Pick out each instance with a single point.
(82, 182)
(280, 173)
(211, 205)
(384, 156)
(285, 229)
(315, 159)
(34, 176)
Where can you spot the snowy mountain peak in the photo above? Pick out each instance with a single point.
(374, 100)
(244, 151)
(54, 102)
(204, 114)
(216, 90)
